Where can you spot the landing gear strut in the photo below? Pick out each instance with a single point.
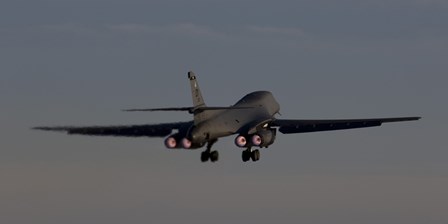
(249, 154)
(208, 154)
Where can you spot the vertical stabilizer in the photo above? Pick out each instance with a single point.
(198, 101)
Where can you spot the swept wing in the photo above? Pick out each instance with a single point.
(151, 130)
(303, 126)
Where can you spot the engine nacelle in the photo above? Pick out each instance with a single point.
(264, 138)
(241, 141)
(173, 141)
(186, 143)
(170, 142)
(177, 141)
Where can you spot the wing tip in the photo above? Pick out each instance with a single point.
(41, 128)
(412, 118)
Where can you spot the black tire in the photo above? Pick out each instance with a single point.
(245, 156)
(255, 155)
(214, 156)
(205, 156)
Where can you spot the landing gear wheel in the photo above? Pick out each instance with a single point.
(208, 154)
(255, 155)
(214, 156)
(246, 155)
(205, 156)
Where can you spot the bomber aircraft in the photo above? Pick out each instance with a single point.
(252, 119)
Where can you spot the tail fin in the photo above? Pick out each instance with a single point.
(198, 101)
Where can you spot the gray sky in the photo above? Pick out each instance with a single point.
(81, 62)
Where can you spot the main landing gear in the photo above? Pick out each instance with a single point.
(249, 154)
(208, 154)
(213, 156)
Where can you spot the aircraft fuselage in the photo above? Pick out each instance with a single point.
(261, 106)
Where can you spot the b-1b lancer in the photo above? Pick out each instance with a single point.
(252, 119)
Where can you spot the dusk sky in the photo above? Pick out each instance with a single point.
(80, 62)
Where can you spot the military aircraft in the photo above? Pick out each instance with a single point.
(252, 119)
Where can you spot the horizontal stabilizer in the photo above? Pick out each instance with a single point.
(160, 109)
(191, 110)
